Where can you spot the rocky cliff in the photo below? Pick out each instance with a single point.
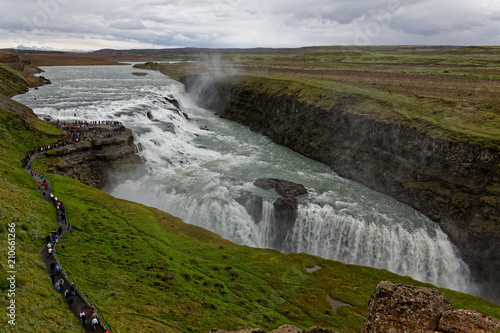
(454, 182)
(95, 158)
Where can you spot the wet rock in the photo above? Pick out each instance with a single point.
(398, 308)
(283, 187)
(47, 117)
(285, 209)
(174, 102)
(252, 204)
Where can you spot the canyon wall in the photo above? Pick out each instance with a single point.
(95, 160)
(455, 183)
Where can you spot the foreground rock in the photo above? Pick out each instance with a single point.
(463, 321)
(398, 308)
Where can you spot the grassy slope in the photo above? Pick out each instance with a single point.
(11, 82)
(122, 253)
(38, 307)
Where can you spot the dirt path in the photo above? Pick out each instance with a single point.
(80, 303)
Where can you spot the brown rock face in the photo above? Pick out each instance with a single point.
(399, 308)
(92, 160)
(466, 321)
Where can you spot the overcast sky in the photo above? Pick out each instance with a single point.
(125, 24)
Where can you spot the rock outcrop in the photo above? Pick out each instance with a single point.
(398, 308)
(94, 159)
(454, 182)
(465, 321)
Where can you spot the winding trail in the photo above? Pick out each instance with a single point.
(80, 302)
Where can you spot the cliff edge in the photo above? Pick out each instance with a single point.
(101, 151)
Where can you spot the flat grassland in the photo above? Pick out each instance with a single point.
(452, 92)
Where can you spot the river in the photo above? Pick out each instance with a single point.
(199, 167)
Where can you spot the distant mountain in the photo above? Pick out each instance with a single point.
(194, 50)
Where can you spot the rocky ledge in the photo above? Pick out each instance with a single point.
(93, 159)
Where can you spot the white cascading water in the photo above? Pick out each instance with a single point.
(200, 167)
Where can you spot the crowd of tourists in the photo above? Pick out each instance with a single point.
(78, 130)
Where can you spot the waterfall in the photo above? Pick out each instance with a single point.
(201, 168)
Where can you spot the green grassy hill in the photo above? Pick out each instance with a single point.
(121, 253)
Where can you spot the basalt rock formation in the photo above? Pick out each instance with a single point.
(453, 182)
(92, 160)
(398, 308)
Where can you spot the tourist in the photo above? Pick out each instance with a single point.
(95, 322)
(83, 319)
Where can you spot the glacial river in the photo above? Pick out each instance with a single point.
(198, 167)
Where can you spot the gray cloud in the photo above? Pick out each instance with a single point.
(126, 24)
(94, 24)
